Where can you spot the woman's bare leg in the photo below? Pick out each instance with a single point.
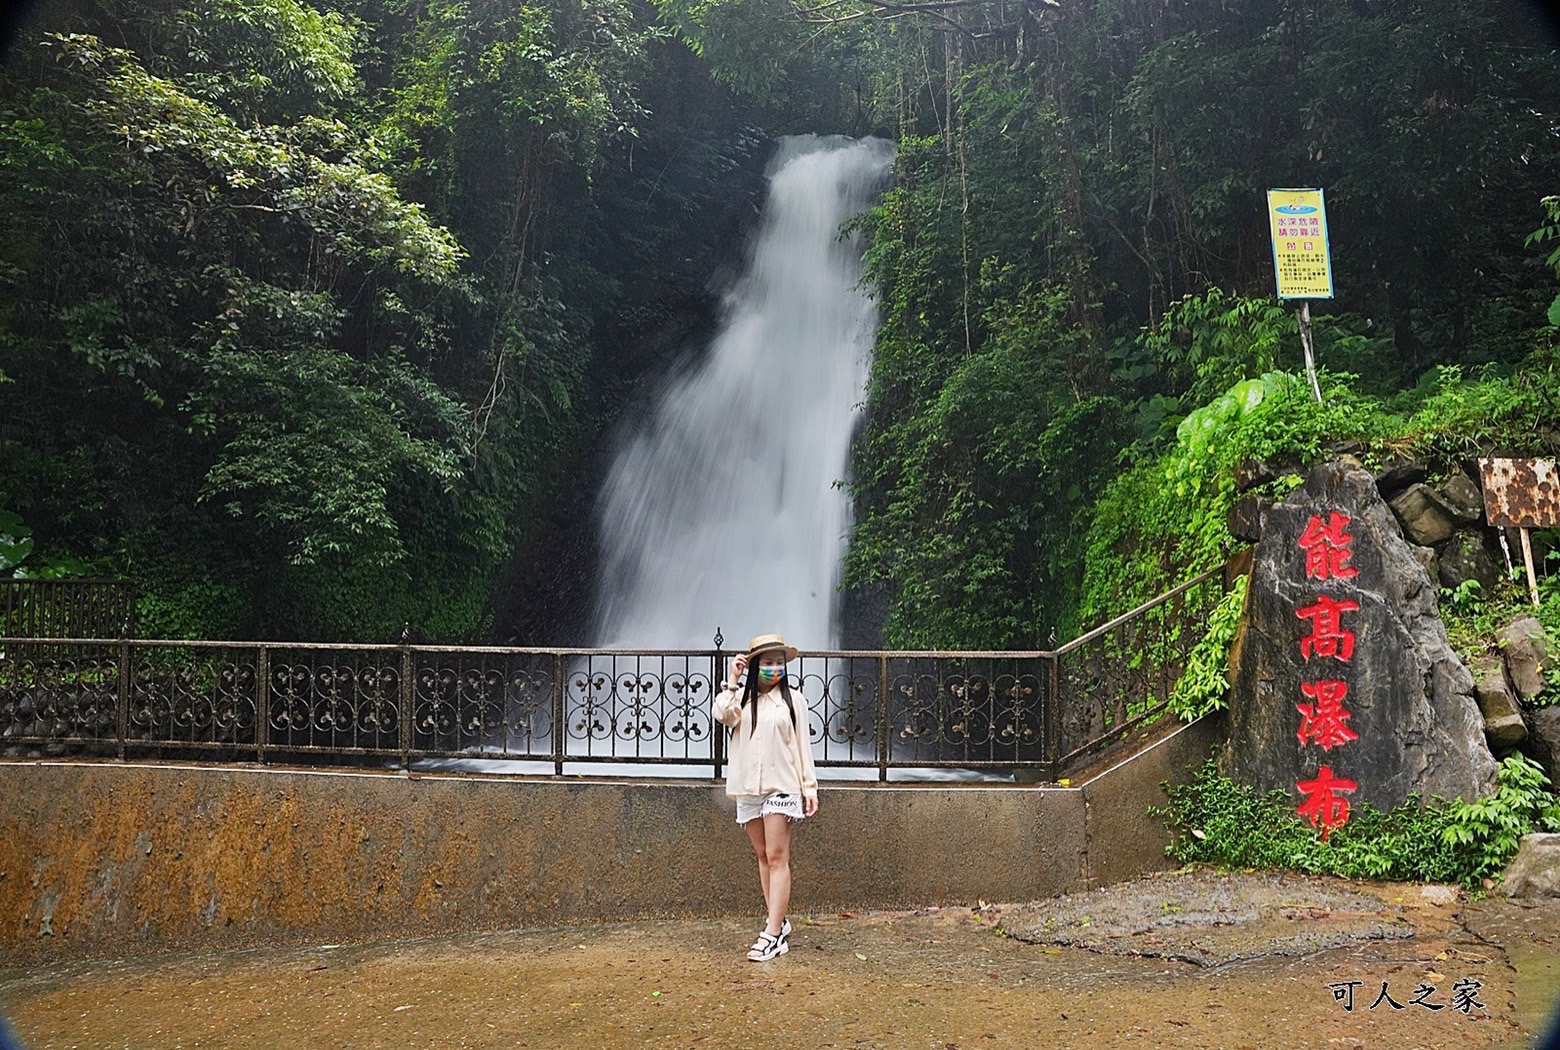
(777, 859)
(755, 834)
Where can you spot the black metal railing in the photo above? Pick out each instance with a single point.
(67, 608)
(547, 709)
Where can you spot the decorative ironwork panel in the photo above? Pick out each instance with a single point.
(191, 696)
(1100, 681)
(478, 702)
(632, 706)
(1114, 679)
(974, 710)
(329, 699)
(843, 699)
(54, 695)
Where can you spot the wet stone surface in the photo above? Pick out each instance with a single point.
(939, 979)
(1210, 918)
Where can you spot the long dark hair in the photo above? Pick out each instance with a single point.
(750, 694)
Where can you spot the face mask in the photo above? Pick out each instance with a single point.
(770, 675)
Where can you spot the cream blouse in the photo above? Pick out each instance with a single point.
(777, 758)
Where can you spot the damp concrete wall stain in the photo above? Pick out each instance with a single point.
(111, 859)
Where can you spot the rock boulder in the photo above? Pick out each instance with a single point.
(1503, 723)
(1462, 497)
(1543, 741)
(1535, 871)
(1427, 559)
(1425, 518)
(1344, 647)
(1397, 475)
(1467, 557)
(1248, 516)
(1527, 656)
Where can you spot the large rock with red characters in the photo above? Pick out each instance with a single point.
(1345, 689)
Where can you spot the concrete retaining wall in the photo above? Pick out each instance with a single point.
(109, 859)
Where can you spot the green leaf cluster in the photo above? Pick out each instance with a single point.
(1204, 685)
(1167, 517)
(16, 543)
(1217, 821)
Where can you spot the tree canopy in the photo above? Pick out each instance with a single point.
(310, 312)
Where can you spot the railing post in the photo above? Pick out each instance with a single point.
(559, 734)
(262, 703)
(407, 697)
(1053, 703)
(717, 731)
(123, 700)
(882, 720)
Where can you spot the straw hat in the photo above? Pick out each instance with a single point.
(768, 643)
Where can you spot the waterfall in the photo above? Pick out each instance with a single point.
(724, 508)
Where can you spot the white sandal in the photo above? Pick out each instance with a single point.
(767, 947)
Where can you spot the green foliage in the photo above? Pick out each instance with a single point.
(179, 600)
(1211, 341)
(16, 543)
(265, 58)
(1551, 694)
(1116, 174)
(1548, 614)
(748, 43)
(1216, 821)
(1462, 413)
(207, 323)
(1550, 231)
(1166, 518)
(1204, 685)
(972, 543)
(1487, 831)
(305, 338)
(1466, 595)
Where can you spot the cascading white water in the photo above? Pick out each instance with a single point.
(724, 510)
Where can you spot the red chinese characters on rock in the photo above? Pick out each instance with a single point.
(1328, 636)
(1324, 802)
(1328, 549)
(1323, 720)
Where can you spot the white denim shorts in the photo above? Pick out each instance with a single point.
(750, 807)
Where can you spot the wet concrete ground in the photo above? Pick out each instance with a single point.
(1189, 959)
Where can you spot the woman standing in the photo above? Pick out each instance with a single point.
(770, 774)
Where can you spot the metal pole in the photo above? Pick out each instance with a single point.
(262, 703)
(1052, 701)
(407, 697)
(882, 728)
(717, 731)
(557, 712)
(123, 700)
(1303, 315)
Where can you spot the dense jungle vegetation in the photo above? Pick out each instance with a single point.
(306, 309)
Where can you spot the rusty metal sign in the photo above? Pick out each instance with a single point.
(1521, 493)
